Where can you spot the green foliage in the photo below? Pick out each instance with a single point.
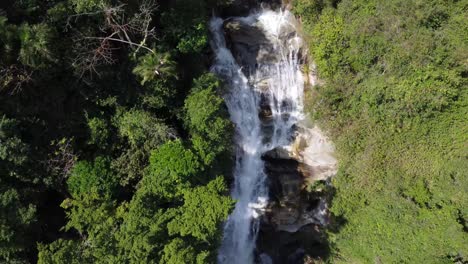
(307, 10)
(195, 40)
(8, 37)
(15, 223)
(18, 212)
(88, 214)
(143, 232)
(131, 181)
(99, 131)
(144, 133)
(155, 65)
(394, 99)
(141, 128)
(179, 251)
(207, 119)
(172, 168)
(203, 224)
(92, 178)
(204, 109)
(13, 151)
(61, 251)
(174, 159)
(329, 44)
(130, 165)
(82, 6)
(186, 25)
(36, 42)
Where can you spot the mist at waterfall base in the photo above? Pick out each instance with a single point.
(282, 89)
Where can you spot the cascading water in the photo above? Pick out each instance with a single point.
(265, 104)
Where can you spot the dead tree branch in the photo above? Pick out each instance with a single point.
(14, 77)
(135, 32)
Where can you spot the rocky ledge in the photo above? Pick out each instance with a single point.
(297, 211)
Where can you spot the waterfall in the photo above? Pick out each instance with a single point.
(265, 104)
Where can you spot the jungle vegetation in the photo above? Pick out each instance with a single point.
(115, 145)
(393, 97)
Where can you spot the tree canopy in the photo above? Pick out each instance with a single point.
(98, 163)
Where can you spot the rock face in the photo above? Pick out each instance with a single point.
(292, 223)
(249, 45)
(290, 171)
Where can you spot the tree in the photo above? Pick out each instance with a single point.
(61, 161)
(143, 232)
(155, 65)
(88, 5)
(117, 28)
(13, 151)
(185, 25)
(144, 133)
(207, 119)
(62, 251)
(36, 42)
(8, 34)
(16, 223)
(179, 251)
(172, 169)
(92, 178)
(142, 129)
(204, 210)
(99, 131)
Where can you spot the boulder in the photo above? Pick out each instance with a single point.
(278, 153)
(291, 248)
(290, 229)
(246, 32)
(249, 44)
(284, 178)
(265, 113)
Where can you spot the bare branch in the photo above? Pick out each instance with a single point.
(123, 41)
(98, 50)
(62, 159)
(13, 77)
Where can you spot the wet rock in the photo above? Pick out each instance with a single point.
(292, 210)
(265, 114)
(278, 153)
(291, 248)
(249, 44)
(263, 85)
(241, 31)
(268, 129)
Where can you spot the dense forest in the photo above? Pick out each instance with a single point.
(115, 145)
(393, 97)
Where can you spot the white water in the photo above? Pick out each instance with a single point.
(284, 95)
